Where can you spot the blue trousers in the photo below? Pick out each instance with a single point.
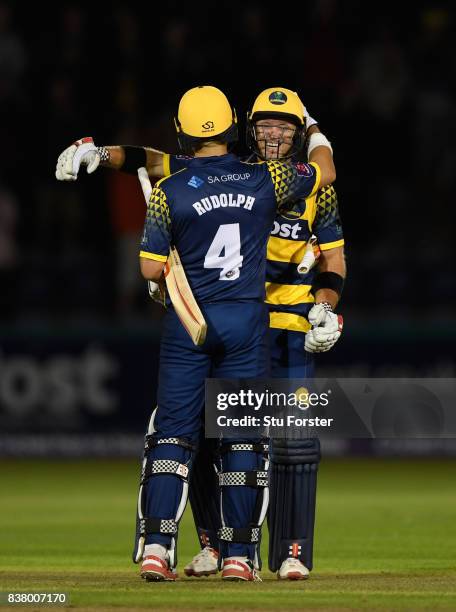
(236, 346)
(292, 490)
(288, 357)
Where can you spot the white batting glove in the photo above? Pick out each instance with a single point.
(310, 121)
(157, 292)
(82, 151)
(326, 328)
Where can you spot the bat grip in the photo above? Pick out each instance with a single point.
(145, 183)
(311, 254)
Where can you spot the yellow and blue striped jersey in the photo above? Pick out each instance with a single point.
(288, 292)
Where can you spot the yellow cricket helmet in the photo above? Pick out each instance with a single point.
(205, 114)
(277, 103)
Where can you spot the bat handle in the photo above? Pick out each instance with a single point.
(145, 183)
(311, 254)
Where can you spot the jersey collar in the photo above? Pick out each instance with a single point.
(213, 160)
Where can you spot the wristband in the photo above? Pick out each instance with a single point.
(326, 305)
(135, 157)
(104, 154)
(328, 280)
(318, 140)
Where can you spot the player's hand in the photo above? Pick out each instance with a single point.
(157, 292)
(326, 328)
(82, 151)
(310, 121)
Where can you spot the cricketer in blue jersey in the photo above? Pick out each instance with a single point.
(218, 212)
(231, 263)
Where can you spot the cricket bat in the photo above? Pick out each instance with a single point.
(311, 255)
(179, 290)
(183, 300)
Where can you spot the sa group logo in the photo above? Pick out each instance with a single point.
(195, 182)
(208, 126)
(228, 177)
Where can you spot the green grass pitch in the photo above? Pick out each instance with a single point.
(385, 539)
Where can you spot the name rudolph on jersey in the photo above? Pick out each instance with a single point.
(222, 201)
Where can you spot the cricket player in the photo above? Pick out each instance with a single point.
(220, 231)
(302, 322)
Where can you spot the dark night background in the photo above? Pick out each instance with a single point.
(379, 77)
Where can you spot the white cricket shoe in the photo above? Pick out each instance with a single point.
(293, 569)
(155, 565)
(205, 563)
(156, 569)
(239, 569)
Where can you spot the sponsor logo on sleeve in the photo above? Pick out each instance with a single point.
(304, 169)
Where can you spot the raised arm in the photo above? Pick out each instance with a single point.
(118, 157)
(320, 151)
(153, 159)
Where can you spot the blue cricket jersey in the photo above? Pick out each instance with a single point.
(218, 212)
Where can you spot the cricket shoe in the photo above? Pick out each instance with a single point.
(156, 569)
(205, 563)
(292, 569)
(238, 569)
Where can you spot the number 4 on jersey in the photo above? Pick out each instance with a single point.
(225, 252)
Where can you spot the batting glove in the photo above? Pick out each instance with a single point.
(82, 151)
(157, 292)
(326, 328)
(310, 121)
